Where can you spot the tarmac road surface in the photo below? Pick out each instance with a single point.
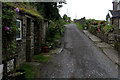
(80, 58)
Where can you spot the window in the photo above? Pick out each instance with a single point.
(118, 6)
(19, 31)
(108, 21)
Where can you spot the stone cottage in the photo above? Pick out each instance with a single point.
(31, 34)
(113, 17)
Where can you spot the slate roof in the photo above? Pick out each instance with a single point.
(115, 13)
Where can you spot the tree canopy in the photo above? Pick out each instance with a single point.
(48, 10)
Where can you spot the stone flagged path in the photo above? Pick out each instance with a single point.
(108, 50)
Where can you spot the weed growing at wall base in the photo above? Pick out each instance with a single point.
(41, 58)
(29, 70)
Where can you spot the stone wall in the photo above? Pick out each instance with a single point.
(102, 36)
(31, 41)
(21, 44)
(108, 38)
(116, 24)
(116, 32)
(38, 36)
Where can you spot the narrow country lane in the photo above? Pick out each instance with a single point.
(80, 58)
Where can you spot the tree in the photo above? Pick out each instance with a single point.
(66, 18)
(48, 10)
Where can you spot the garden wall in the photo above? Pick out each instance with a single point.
(108, 38)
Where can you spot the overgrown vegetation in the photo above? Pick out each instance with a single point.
(8, 35)
(99, 26)
(41, 58)
(25, 6)
(8, 31)
(92, 29)
(55, 32)
(108, 28)
(29, 70)
(48, 10)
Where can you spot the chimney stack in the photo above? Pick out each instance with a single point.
(115, 2)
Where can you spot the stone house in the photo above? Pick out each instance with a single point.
(113, 17)
(31, 34)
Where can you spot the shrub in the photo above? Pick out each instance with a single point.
(108, 28)
(55, 32)
(92, 29)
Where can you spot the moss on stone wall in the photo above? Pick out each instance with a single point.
(26, 8)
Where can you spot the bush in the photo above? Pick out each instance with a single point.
(108, 28)
(92, 29)
(55, 32)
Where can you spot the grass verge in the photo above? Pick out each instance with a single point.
(29, 70)
(41, 58)
(79, 26)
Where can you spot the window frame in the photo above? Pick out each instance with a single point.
(119, 24)
(108, 21)
(20, 29)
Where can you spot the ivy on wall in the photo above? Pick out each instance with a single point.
(8, 31)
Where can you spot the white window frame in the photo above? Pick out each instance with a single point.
(119, 23)
(108, 21)
(20, 29)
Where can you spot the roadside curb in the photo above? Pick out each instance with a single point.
(112, 57)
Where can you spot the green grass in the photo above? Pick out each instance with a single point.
(29, 70)
(27, 8)
(66, 23)
(57, 36)
(41, 58)
(79, 26)
(101, 49)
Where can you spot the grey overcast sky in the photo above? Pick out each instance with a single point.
(94, 9)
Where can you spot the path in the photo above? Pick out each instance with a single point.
(80, 58)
